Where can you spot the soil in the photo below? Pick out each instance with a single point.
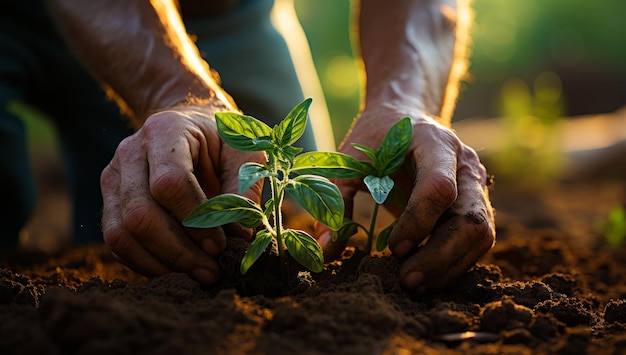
(550, 285)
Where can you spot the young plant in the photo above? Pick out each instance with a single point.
(388, 158)
(304, 177)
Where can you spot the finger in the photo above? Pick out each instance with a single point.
(473, 186)
(173, 184)
(232, 160)
(117, 239)
(332, 249)
(150, 225)
(142, 261)
(169, 188)
(458, 242)
(454, 247)
(434, 191)
(163, 237)
(126, 249)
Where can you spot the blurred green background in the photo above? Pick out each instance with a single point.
(569, 55)
(576, 48)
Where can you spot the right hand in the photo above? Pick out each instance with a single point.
(175, 161)
(447, 201)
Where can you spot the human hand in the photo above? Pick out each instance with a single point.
(175, 161)
(448, 222)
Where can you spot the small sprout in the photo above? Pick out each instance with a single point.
(304, 177)
(386, 160)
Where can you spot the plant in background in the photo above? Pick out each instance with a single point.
(531, 118)
(388, 158)
(614, 228)
(304, 177)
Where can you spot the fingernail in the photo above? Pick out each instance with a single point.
(205, 276)
(413, 279)
(404, 247)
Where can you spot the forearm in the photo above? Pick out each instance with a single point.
(413, 53)
(139, 51)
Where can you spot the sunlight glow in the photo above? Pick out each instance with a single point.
(285, 20)
(169, 14)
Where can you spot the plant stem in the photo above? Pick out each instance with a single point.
(370, 232)
(277, 196)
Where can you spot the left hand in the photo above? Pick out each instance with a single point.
(175, 161)
(448, 223)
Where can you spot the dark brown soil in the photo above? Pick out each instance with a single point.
(549, 286)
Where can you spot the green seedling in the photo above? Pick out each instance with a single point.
(388, 158)
(304, 177)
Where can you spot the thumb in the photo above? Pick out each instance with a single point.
(332, 250)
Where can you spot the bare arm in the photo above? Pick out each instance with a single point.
(139, 51)
(414, 53)
(413, 56)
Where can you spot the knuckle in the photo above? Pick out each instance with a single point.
(448, 136)
(471, 159)
(152, 123)
(116, 238)
(136, 218)
(125, 148)
(469, 154)
(443, 191)
(168, 185)
(107, 177)
(155, 125)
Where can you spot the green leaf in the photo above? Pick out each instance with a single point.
(287, 154)
(383, 236)
(330, 165)
(347, 230)
(224, 209)
(304, 249)
(249, 174)
(292, 126)
(397, 197)
(255, 250)
(242, 132)
(269, 207)
(318, 196)
(392, 149)
(379, 187)
(371, 153)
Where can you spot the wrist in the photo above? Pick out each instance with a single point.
(181, 91)
(388, 113)
(386, 101)
(204, 105)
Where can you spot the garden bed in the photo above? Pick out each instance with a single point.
(550, 285)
